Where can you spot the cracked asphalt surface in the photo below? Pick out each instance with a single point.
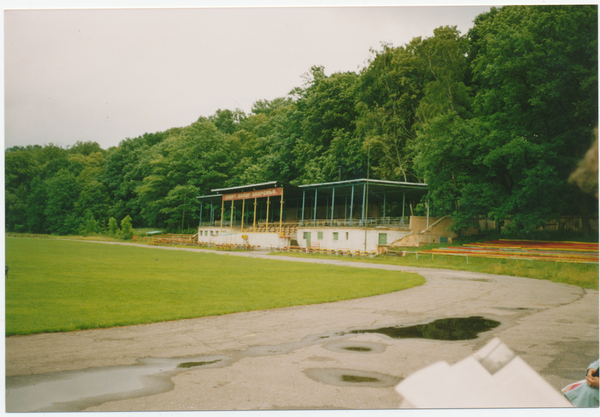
(293, 358)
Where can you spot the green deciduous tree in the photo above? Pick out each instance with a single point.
(198, 156)
(180, 206)
(388, 93)
(326, 112)
(113, 227)
(443, 59)
(494, 122)
(20, 170)
(126, 228)
(266, 143)
(62, 191)
(90, 225)
(536, 69)
(227, 121)
(36, 203)
(124, 170)
(93, 197)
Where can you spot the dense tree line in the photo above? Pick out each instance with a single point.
(493, 120)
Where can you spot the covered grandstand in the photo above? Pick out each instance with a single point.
(356, 214)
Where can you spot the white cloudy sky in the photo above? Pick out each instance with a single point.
(107, 74)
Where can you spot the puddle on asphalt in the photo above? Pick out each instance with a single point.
(81, 389)
(442, 329)
(194, 364)
(78, 390)
(356, 378)
(355, 346)
(351, 377)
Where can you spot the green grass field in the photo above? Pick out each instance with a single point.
(57, 285)
(581, 275)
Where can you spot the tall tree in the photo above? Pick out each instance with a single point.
(124, 170)
(537, 72)
(442, 57)
(388, 93)
(265, 145)
(36, 203)
(62, 192)
(20, 171)
(326, 114)
(197, 158)
(535, 75)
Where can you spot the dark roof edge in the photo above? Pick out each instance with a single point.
(211, 195)
(244, 186)
(382, 182)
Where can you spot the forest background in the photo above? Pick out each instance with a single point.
(494, 121)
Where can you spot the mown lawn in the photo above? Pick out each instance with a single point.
(57, 285)
(581, 275)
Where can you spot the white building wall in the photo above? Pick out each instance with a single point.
(351, 238)
(215, 236)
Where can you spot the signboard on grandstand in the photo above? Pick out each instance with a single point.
(270, 192)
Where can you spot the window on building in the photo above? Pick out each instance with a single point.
(335, 235)
(305, 235)
(206, 233)
(320, 235)
(347, 234)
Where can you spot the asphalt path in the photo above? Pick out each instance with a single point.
(300, 358)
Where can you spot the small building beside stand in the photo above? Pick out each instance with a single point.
(354, 215)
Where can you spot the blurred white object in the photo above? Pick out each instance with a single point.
(493, 377)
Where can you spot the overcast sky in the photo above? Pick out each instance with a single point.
(108, 74)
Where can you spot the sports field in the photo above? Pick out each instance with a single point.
(58, 285)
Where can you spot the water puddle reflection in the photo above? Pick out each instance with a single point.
(77, 390)
(194, 364)
(351, 377)
(442, 329)
(81, 389)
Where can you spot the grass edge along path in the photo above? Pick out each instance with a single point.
(577, 274)
(60, 285)
(575, 252)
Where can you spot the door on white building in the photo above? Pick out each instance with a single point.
(307, 238)
(383, 238)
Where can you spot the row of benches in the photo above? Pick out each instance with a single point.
(231, 246)
(169, 241)
(317, 250)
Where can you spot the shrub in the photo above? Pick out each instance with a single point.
(126, 228)
(113, 229)
(90, 226)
